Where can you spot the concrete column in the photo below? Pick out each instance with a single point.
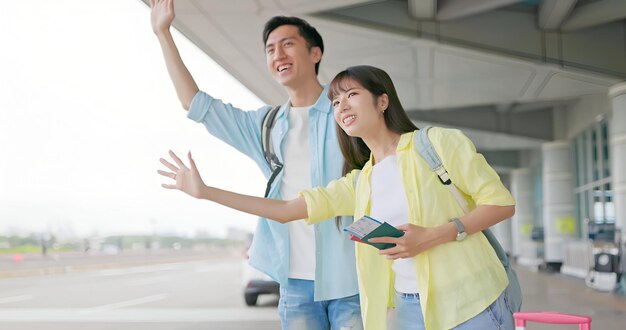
(523, 248)
(502, 231)
(559, 222)
(617, 94)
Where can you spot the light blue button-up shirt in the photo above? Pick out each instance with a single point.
(335, 270)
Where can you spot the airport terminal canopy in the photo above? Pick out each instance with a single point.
(498, 68)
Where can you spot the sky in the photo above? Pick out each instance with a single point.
(86, 111)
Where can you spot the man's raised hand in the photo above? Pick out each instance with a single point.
(162, 15)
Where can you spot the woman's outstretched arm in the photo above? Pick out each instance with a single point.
(188, 180)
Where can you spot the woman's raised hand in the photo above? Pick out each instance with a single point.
(187, 179)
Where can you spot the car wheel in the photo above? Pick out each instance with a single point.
(250, 298)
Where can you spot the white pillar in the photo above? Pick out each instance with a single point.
(502, 231)
(523, 248)
(559, 222)
(617, 94)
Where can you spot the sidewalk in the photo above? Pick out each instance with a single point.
(561, 293)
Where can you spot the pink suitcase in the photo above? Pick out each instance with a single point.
(584, 322)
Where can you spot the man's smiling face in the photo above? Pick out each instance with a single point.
(288, 56)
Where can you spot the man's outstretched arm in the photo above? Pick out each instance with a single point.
(161, 18)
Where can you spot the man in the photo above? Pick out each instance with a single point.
(305, 260)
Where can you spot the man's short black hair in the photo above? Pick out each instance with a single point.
(308, 32)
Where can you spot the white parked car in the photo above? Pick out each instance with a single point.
(255, 283)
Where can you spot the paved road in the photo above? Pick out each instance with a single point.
(206, 293)
(203, 294)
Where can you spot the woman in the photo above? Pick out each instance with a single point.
(434, 279)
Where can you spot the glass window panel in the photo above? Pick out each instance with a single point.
(605, 149)
(592, 164)
(538, 189)
(577, 160)
(609, 207)
(586, 203)
(585, 158)
(594, 155)
(580, 207)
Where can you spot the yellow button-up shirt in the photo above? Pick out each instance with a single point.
(456, 280)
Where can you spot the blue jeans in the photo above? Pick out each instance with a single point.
(298, 310)
(408, 315)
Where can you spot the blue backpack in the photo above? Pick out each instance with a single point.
(428, 153)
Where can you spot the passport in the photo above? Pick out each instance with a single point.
(368, 227)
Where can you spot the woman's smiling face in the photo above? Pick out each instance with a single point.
(357, 111)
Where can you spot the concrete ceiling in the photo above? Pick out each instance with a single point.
(446, 54)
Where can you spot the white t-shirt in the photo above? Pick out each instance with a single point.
(388, 203)
(297, 177)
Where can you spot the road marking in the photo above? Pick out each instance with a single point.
(216, 267)
(135, 270)
(7, 300)
(154, 280)
(168, 315)
(122, 304)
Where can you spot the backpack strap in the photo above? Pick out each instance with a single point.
(268, 148)
(427, 151)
